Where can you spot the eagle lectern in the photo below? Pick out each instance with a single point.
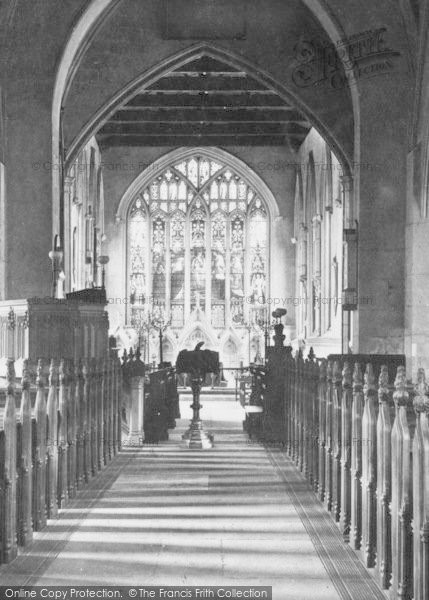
(197, 364)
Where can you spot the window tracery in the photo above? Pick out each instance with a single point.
(208, 232)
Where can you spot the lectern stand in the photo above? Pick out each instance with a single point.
(197, 364)
(196, 437)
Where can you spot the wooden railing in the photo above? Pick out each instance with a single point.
(362, 443)
(59, 425)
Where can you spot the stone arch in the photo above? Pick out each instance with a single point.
(227, 342)
(79, 40)
(229, 334)
(168, 347)
(181, 58)
(229, 353)
(192, 336)
(98, 11)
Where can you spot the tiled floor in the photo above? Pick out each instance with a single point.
(166, 515)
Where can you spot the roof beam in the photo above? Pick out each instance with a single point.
(187, 83)
(200, 140)
(205, 102)
(185, 73)
(233, 100)
(222, 115)
(262, 129)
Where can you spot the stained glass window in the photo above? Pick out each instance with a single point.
(218, 272)
(137, 239)
(198, 256)
(158, 259)
(177, 267)
(197, 237)
(237, 269)
(257, 244)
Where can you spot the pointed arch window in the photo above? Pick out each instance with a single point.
(198, 237)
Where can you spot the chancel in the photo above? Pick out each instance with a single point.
(243, 181)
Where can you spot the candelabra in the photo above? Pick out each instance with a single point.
(278, 326)
(160, 322)
(140, 320)
(253, 327)
(263, 323)
(103, 260)
(148, 318)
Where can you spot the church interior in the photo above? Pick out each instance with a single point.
(243, 176)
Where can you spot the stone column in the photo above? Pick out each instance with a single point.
(67, 242)
(348, 202)
(350, 282)
(302, 274)
(135, 435)
(303, 243)
(317, 271)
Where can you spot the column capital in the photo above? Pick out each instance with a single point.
(68, 180)
(347, 182)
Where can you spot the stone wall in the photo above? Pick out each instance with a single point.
(318, 237)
